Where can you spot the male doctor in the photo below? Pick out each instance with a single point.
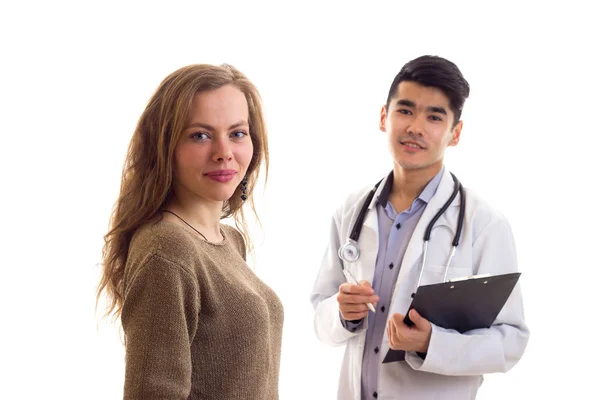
(421, 118)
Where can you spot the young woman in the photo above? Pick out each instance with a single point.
(198, 323)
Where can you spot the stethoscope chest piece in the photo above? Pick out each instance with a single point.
(349, 252)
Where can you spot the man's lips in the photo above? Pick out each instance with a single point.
(411, 144)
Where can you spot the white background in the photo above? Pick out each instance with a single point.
(74, 78)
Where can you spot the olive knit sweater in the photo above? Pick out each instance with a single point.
(198, 322)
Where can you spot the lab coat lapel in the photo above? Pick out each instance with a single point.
(371, 221)
(370, 241)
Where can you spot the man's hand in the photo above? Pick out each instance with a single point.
(353, 300)
(403, 337)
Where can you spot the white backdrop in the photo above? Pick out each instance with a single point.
(74, 78)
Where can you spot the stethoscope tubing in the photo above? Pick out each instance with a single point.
(349, 252)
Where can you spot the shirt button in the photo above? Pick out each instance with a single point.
(376, 350)
(382, 308)
(375, 394)
(398, 225)
(391, 265)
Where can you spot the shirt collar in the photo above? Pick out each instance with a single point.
(425, 195)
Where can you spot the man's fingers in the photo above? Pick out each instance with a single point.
(347, 307)
(350, 288)
(389, 334)
(365, 284)
(397, 319)
(392, 333)
(355, 299)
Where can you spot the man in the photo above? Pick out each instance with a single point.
(421, 119)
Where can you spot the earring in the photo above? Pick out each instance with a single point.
(244, 187)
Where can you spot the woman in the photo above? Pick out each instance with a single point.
(198, 323)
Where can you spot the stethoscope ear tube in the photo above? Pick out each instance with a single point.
(458, 188)
(442, 210)
(461, 216)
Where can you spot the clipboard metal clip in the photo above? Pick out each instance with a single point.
(464, 278)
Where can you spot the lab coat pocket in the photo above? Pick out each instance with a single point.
(435, 273)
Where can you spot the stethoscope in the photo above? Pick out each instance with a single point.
(349, 252)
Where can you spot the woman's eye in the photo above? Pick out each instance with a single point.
(239, 134)
(199, 136)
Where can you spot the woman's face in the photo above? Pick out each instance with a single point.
(215, 149)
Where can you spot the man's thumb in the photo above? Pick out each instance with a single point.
(416, 318)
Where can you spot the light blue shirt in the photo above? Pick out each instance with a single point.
(395, 231)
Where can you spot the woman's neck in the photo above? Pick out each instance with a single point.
(204, 216)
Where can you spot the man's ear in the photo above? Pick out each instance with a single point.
(382, 119)
(456, 134)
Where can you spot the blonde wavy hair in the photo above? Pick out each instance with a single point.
(147, 179)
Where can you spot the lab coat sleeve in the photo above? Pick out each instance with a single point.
(482, 351)
(328, 326)
(352, 326)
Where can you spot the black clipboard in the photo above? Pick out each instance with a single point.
(461, 305)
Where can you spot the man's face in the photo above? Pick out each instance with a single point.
(419, 124)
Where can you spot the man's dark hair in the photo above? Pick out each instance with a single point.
(434, 71)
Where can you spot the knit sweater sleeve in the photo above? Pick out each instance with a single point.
(160, 317)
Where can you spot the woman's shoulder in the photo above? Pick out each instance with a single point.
(164, 239)
(233, 235)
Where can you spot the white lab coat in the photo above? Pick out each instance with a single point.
(455, 363)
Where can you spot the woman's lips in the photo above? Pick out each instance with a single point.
(222, 175)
